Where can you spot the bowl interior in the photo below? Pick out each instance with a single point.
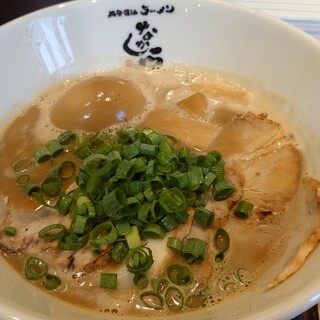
(54, 44)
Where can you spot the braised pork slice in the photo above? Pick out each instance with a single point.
(307, 203)
(271, 178)
(245, 135)
(28, 224)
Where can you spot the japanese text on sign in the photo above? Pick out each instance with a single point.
(144, 11)
(140, 42)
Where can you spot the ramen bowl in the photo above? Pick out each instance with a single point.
(55, 44)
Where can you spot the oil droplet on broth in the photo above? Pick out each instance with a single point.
(98, 102)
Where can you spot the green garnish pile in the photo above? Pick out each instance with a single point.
(135, 186)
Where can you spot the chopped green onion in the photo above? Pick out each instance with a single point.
(174, 244)
(155, 137)
(144, 212)
(214, 157)
(204, 217)
(159, 285)
(123, 227)
(167, 149)
(125, 136)
(168, 222)
(10, 231)
(124, 169)
(196, 300)
(173, 200)
(221, 242)
(179, 274)
(195, 177)
(64, 204)
(51, 281)
(149, 194)
(162, 159)
(108, 280)
(179, 179)
(243, 209)
(23, 164)
(131, 151)
(191, 198)
(39, 197)
(140, 197)
(79, 225)
(131, 188)
(152, 300)
(209, 179)
(104, 149)
(23, 179)
(30, 188)
(174, 299)
(204, 163)
(104, 234)
(114, 202)
(157, 211)
(140, 280)
(157, 184)
(83, 152)
(35, 268)
(51, 186)
(119, 251)
(151, 168)
(97, 165)
(41, 155)
(67, 137)
(184, 153)
(181, 216)
(97, 140)
(66, 169)
(132, 208)
(133, 238)
(52, 232)
(85, 207)
(153, 231)
(218, 171)
(148, 149)
(71, 242)
(81, 179)
(54, 148)
(140, 164)
(139, 259)
(80, 138)
(194, 250)
(222, 190)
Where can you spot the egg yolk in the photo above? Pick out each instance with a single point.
(98, 102)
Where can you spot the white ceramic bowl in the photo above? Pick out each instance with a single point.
(43, 48)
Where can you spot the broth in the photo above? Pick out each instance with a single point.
(204, 111)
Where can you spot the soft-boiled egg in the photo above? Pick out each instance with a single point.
(98, 102)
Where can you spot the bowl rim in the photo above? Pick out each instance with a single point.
(308, 299)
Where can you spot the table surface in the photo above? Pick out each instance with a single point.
(303, 14)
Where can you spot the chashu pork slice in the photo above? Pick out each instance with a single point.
(305, 208)
(271, 178)
(245, 135)
(76, 269)
(28, 224)
(27, 242)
